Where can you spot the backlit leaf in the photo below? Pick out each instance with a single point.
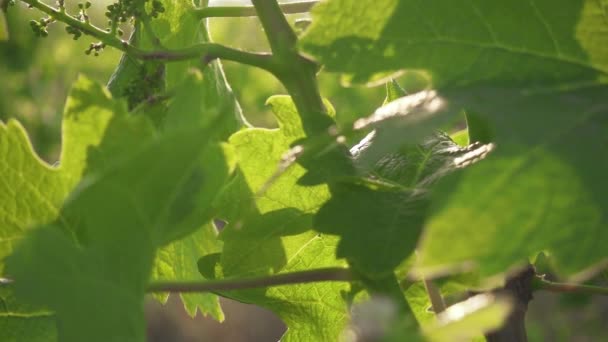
(271, 232)
(120, 216)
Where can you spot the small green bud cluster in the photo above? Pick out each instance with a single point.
(95, 48)
(119, 12)
(83, 7)
(76, 32)
(61, 5)
(40, 26)
(123, 10)
(150, 81)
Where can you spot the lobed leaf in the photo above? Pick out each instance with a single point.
(449, 43)
(32, 191)
(270, 232)
(531, 85)
(120, 216)
(543, 188)
(203, 98)
(379, 226)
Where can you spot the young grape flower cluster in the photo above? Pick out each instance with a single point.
(119, 12)
(150, 81)
(123, 10)
(83, 7)
(40, 26)
(73, 31)
(95, 48)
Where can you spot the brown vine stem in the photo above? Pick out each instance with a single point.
(207, 51)
(310, 276)
(249, 11)
(518, 286)
(434, 293)
(545, 285)
(437, 302)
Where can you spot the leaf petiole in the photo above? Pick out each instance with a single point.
(545, 285)
(310, 276)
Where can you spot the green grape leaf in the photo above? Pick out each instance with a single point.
(418, 299)
(37, 202)
(378, 229)
(21, 322)
(202, 97)
(550, 58)
(393, 91)
(281, 241)
(469, 319)
(543, 189)
(406, 120)
(179, 28)
(461, 137)
(416, 167)
(461, 43)
(32, 191)
(379, 226)
(270, 231)
(478, 129)
(452, 289)
(120, 216)
(464, 321)
(127, 71)
(260, 152)
(177, 261)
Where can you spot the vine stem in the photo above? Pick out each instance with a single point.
(281, 37)
(296, 72)
(249, 11)
(310, 276)
(545, 285)
(207, 51)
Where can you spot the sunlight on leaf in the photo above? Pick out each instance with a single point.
(470, 318)
(272, 233)
(537, 44)
(543, 188)
(405, 120)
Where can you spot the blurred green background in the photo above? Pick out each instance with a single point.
(36, 74)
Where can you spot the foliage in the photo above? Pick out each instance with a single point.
(361, 210)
